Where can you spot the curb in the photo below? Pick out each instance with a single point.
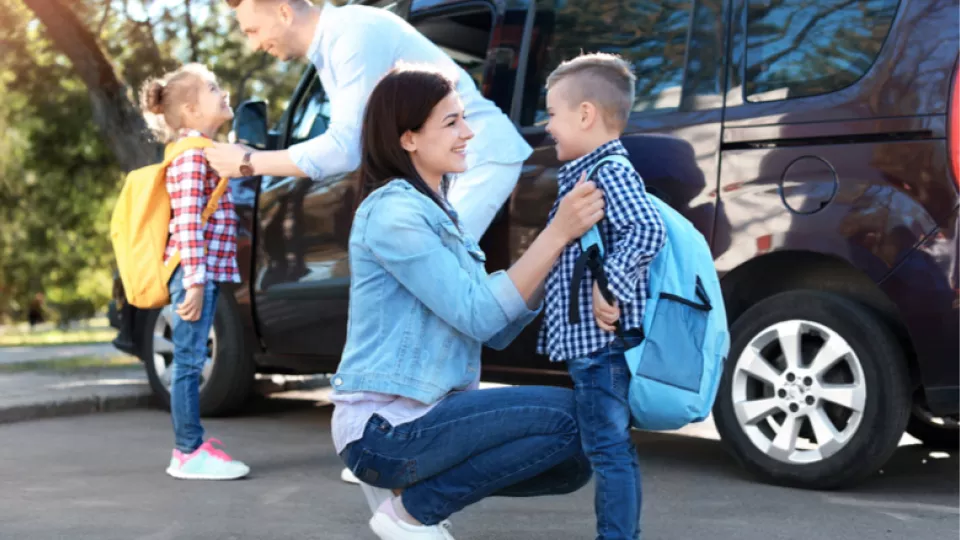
(75, 407)
(125, 399)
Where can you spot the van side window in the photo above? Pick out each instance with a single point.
(312, 115)
(797, 48)
(463, 34)
(652, 35)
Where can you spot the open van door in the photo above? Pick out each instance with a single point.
(301, 277)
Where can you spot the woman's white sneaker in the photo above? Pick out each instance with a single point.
(387, 526)
(375, 496)
(347, 476)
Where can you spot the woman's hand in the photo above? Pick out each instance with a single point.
(579, 210)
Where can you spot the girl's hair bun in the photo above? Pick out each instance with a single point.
(151, 97)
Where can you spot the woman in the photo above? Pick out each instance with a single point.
(409, 417)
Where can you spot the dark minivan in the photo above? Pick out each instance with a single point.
(815, 145)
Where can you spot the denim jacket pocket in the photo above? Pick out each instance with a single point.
(466, 248)
(449, 232)
(476, 252)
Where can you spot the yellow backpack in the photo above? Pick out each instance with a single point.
(140, 228)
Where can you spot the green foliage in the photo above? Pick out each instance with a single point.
(58, 177)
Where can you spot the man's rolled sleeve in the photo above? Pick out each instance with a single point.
(300, 156)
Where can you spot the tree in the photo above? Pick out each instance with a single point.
(121, 125)
(70, 127)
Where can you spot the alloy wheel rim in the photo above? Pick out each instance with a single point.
(163, 348)
(799, 392)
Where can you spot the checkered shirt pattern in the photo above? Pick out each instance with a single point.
(632, 232)
(190, 182)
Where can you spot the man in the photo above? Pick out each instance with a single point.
(352, 47)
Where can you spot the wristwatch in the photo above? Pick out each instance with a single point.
(246, 168)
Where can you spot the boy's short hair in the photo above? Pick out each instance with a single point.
(606, 80)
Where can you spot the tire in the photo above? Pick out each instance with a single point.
(935, 432)
(870, 368)
(227, 381)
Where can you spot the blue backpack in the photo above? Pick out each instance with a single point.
(676, 369)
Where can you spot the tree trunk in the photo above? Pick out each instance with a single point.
(191, 35)
(118, 119)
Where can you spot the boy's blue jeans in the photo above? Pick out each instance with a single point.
(189, 356)
(601, 382)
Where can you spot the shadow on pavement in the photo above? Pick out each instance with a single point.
(690, 453)
(913, 471)
(278, 405)
(916, 470)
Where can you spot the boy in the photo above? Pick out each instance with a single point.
(589, 100)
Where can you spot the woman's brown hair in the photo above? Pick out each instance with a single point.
(402, 101)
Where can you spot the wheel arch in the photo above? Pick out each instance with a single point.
(780, 271)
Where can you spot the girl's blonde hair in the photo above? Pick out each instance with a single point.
(162, 99)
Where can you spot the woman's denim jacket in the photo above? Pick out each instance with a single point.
(421, 302)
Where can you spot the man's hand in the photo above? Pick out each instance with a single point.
(606, 314)
(226, 158)
(192, 305)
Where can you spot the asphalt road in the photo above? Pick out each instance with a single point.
(101, 477)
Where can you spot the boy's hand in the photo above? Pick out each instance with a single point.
(192, 305)
(606, 314)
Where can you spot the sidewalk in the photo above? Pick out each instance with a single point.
(33, 386)
(44, 382)
(18, 354)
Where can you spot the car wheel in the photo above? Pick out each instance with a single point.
(942, 432)
(816, 392)
(228, 374)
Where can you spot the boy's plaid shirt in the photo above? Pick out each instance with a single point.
(632, 232)
(190, 182)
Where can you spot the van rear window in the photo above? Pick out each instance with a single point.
(798, 48)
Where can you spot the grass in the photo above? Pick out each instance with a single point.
(58, 337)
(75, 363)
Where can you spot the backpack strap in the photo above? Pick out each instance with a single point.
(214, 201)
(592, 251)
(180, 146)
(174, 149)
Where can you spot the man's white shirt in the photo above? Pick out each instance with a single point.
(352, 48)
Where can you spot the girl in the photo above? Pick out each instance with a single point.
(189, 103)
(409, 416)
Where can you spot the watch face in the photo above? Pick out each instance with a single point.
(246, 170)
